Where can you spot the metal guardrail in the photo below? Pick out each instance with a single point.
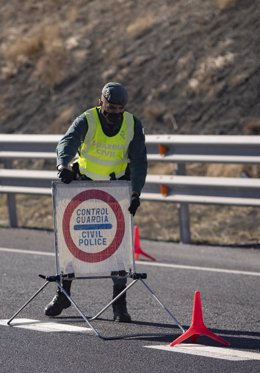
(180, 188)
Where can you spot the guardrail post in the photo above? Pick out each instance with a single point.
(184, 222)
(183, 211)
(11, 201)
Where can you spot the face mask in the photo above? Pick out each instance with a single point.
(113, 117)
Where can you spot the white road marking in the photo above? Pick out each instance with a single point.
(196, 268)
(152, 264)
(19, 251)
(209, 351)
(45, 326)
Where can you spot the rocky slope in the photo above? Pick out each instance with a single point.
(191, 66)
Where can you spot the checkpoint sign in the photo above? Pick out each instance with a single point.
(93, 226)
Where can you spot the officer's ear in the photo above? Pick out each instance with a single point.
(101, 102)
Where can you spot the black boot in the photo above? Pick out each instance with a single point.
(119, 307)
(59, 302)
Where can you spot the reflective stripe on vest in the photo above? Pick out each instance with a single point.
(101, 155)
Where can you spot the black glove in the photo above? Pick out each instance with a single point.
(66, 175)
(135, 203)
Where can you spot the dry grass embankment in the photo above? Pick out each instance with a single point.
(43, 46)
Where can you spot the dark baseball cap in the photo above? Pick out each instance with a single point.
(115, 93)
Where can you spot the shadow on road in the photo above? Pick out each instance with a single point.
(239, 339)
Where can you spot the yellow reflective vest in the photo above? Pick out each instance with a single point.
(101, 155)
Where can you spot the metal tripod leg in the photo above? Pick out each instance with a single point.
(135, 335)
(113, 300)
(77, 308)
(66, 294)
(163, 306)
(25, 304)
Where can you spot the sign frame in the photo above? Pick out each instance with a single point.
(68, 199)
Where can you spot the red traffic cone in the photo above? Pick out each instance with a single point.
(137, 248)
(197, 326)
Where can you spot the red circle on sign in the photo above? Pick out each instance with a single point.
(114, 205)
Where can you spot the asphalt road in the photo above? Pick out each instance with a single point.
(228, 280)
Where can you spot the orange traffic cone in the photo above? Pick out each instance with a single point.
(137, 248)
(197, 326)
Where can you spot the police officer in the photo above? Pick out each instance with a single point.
(110, 145)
